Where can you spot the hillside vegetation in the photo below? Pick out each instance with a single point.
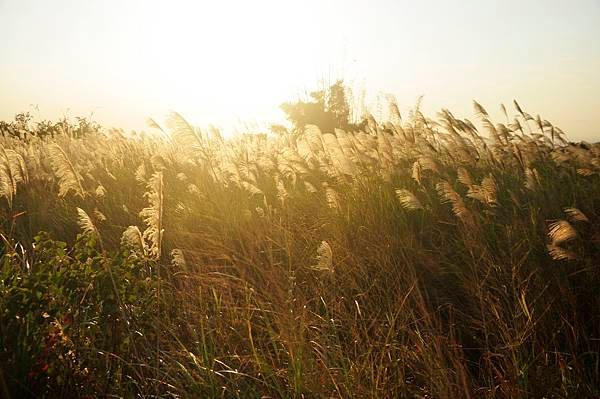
(414, 258)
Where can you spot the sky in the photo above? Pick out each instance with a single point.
(232, 63)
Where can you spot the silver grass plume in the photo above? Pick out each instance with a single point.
(282, 193)
(448, 195)
(85, 222)
(8, 186)
(183, 133)
(336, 154)
(479, 110)
(12, 171)
(140, 173)
(100, 191)
(332, 198)
(484, 193)
(558, 253)
(417, 172)
(561, 231)
(408, 200)
(575, 215)
(324, 258)
(178, 260)
(15, 165)
(428, 163)
(585, 172)
(464, 177)
(153, 215)
(309, 187)
(68, 178)
(99, 215)
(132, 238)
(152, 124)
(251, 188)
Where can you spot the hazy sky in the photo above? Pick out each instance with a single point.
(219, 61)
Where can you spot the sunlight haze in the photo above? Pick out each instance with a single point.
(230, 61)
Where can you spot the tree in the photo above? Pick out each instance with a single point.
(328, 109)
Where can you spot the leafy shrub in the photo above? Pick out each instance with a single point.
(69, 317)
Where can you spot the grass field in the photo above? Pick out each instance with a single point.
(416, 258)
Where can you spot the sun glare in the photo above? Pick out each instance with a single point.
(220, 62)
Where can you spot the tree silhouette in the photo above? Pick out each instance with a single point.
(328, 109)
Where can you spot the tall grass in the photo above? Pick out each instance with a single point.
(420, 258)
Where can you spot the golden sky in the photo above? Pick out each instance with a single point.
(223, 62)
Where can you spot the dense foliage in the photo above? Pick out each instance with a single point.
(414, 258)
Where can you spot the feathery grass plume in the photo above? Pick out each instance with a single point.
(312, 135)
(408, 200)
(251, 188)
(394, 111)
(428, 163)
(486, 192)
(100, 191)
(336, 154)
(140, 173)
(575, 215)
(14, 167)
(585, 172)
(85, 222)
(448, 195)
(332, 198)
(345, 141)
(158, 162)
(384, 147)
(152, 124)
(517, 126)
(99, 215)
(6, 189)
(282, 193)
(260, 212)
(133, 238)
(8, 186)
(561, 231)
(68, 178)
(417, 172)
(464, 177)
(20, 166)
(560, 157)
(489, 126)
(324, 258)
(111, 175)
(304, 150)
(178, 260)
(503, 108)
(490, 188)
(153, 215)
(186, 136)
(193, 189)
(561, 254)
(181, 177)
(479, 110)
(518, 107)
(540, 125)
(248, 171)
(503, 132)
(310, 187)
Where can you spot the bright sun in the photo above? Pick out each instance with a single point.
(224, 61)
